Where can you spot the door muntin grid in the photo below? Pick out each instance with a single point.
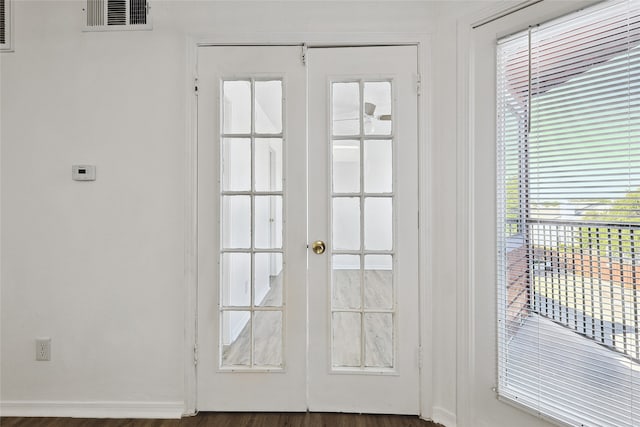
(252, 253)
(363, 306)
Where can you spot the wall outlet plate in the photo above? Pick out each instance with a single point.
(43, 349)
(83, 172)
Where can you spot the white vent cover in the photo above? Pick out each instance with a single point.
(103, 15)
(5, 25)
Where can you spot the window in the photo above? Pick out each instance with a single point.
(101, 15)
(568, 109)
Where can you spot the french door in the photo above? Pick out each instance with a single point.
(308, 229)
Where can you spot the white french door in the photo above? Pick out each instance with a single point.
(363, 199)
(251, 229)
(307, 229)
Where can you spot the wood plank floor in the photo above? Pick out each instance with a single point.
(226, 419)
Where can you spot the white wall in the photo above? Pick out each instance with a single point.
(96, 266)
(443, 221)
(99, 266)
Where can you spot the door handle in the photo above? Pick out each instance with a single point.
(318, 247)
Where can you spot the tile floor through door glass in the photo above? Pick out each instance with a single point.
(378, 327)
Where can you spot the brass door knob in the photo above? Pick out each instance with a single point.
(318, 247)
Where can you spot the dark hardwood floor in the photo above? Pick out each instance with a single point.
(226, 419)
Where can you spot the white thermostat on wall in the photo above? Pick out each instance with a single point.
(83, 172)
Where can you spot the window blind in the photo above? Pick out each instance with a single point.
(568, 217)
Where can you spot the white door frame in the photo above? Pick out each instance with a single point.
(424, 45)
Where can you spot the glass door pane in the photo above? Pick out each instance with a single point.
(251, 308)
(362, 309)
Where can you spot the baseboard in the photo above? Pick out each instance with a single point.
(74, 409)
(444, 417)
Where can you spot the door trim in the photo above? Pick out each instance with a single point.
(423, 41)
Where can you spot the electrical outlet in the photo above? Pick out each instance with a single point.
(43, 348)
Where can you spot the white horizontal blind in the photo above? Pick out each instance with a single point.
(568, 108)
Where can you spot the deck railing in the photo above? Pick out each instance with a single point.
(582, 275)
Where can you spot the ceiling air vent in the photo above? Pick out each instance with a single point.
(102, 15)
(5, 25)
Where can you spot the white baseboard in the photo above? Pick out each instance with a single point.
(74, 409)
(444, 417)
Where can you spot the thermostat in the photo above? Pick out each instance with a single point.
(83, 172)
